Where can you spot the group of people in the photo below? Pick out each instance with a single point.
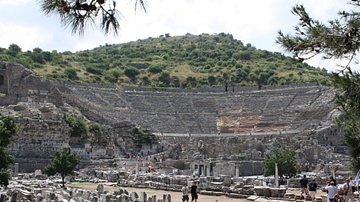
(193, 191)
(308, 188)
(332, 190)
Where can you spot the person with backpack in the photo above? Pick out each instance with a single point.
(312, 189)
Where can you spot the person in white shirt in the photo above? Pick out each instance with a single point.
(332, 191)
(348, 191)
(185, 191)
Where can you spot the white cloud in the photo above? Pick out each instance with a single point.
(26, 37)
(13, 2)
(249, 21)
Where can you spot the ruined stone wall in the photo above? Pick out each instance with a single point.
(39, 139)
(311, 146)
(22, 85)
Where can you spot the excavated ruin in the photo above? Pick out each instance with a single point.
(210, 131)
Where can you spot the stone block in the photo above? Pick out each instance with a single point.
(152, 198)
(252, 198)
(143, 197)
(37, 172)
(261, 200)
(134, 196)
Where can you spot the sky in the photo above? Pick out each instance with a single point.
(256, 22)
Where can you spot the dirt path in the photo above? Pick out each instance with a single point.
(175, 196)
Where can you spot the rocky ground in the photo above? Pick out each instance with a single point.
(176, 196)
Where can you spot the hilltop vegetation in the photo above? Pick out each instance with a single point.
(184, 61)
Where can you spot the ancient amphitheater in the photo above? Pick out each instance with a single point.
(209, 129)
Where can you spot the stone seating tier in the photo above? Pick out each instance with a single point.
(186, 111)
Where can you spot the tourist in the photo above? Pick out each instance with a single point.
(185, 191)
(348, 191)
(303, 186)
(333, 180)
(312, 189)
(352, 184)
(331, 190)
(194, 195)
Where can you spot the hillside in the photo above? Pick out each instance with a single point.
(183, 61)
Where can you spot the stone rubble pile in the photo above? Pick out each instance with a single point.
(45, 190)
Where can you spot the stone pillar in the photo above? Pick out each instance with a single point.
(166, 198)
(237, 171)
(276, 175)
(202, 171)
(137, 169)
(16, 169)
(208, 171)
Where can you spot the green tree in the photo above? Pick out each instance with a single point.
(8, 128)
(71, 73)
(14, 50)
(64, 163)
(78, 14)
(131, 72)
(338, 39)
(286, 160)
(37, 55)
(78, 127)
(164, 77)
(95, 133)
(211, 80)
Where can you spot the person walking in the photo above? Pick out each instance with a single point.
(312, 189)
(303, 186)
(348, 191)
(352, 184)
(185, 191)
(193, 190)
(331, 190)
